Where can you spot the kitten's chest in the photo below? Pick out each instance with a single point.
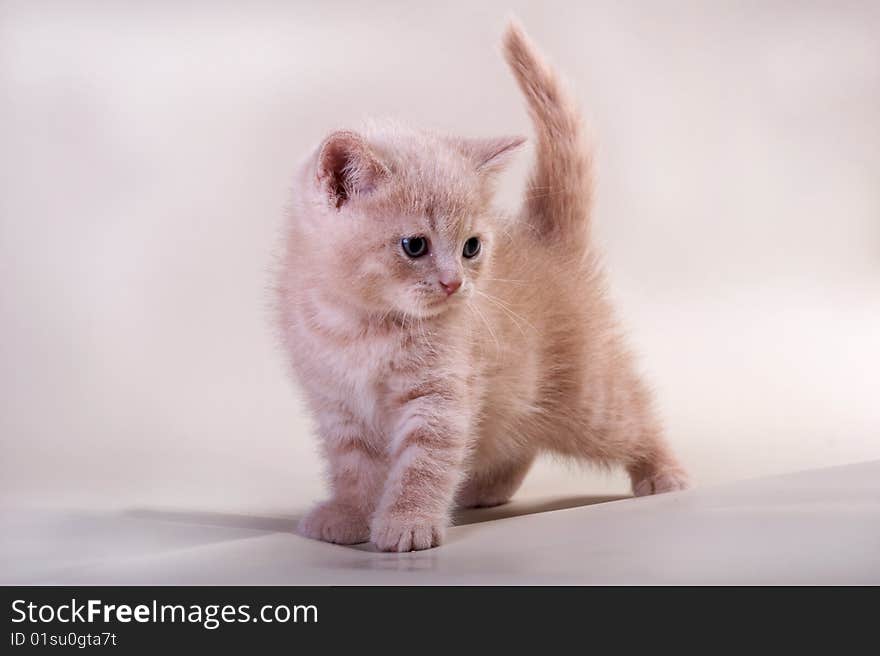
(363, 376)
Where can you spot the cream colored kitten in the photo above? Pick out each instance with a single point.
(441, 346)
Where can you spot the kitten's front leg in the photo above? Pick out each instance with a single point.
(356, 474)
(428, 450)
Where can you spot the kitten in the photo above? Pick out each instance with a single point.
(441, 346)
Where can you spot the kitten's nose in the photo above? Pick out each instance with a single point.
(450, 287)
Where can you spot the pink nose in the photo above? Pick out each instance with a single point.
(450, 287)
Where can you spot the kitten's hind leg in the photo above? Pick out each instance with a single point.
(492, 485)
(652, 467)
(629, 436)
(656, 474)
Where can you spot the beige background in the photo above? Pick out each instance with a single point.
(146, 151)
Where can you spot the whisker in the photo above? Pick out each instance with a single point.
(513, 315)
(522, 282)
(486, 322)
(506, 311)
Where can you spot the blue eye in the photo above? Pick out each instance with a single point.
(414, 246)
(471, 248)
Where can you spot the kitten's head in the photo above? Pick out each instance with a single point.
(398, 221)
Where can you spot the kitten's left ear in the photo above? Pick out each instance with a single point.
(489, 155)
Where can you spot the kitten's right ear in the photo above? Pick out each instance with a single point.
(347, 167)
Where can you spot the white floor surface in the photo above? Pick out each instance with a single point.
(813, 527)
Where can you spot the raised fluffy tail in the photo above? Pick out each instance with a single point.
(558, 198)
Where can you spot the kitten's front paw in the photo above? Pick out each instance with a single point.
(670, 480)
(335, 522)
(399, 534)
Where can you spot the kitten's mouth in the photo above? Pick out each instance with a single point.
(443, 300)
(435, 305)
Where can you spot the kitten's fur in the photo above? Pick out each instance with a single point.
(421, 400)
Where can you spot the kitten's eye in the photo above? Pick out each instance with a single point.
(471, 248)
(414, 246)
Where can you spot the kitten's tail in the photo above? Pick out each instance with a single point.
(559, 195)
